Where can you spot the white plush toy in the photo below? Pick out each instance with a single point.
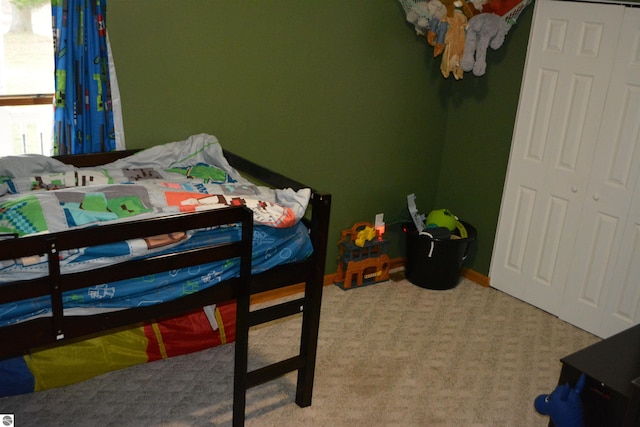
(419, 15)
(436, 9)
(484, 30)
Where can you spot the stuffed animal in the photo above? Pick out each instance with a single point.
(563, 405)
(437, 26)
(499, 7)
(484, 30)
(478, 6)
(454, 42)
(435, 36)
(436, 9)
(419, 15)
(467, 7)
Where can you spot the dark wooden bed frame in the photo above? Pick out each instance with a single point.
(57, 329)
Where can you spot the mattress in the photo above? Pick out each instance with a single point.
(42, 195)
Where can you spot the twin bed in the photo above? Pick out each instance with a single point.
(113, 259)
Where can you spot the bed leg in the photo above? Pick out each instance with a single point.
(241, 359)
(308, 343)
(313, 300)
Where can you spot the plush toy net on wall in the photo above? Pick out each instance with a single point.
(461, 31)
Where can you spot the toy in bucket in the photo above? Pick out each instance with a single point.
(437, 246)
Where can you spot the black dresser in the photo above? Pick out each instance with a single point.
(611, 396)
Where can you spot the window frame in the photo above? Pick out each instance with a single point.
(21, 100)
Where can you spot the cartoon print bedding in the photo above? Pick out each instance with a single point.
(40, 195)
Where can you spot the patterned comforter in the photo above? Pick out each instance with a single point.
(41, 195)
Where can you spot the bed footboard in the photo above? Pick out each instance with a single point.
(18, 338)
(310, 272)
(59, 327)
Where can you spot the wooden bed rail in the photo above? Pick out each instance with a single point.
(94, 159)
(60, 327)
(274, 179)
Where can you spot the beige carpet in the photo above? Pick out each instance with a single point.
(390, 354)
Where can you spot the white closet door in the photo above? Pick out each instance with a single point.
(622, 307)
(603, 289)
(569, 62)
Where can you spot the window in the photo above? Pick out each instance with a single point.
(26, 79)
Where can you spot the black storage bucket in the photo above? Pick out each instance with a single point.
(436, 263)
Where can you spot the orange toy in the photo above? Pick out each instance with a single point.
(366, 263)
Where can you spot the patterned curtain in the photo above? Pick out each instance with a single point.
(83, 114)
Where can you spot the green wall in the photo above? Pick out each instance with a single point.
(339, 94)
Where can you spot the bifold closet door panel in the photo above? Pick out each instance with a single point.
(569, 62)
(602, 293)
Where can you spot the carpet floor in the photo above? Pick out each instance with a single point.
(389, 354)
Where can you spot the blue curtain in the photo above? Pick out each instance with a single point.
(83, 119)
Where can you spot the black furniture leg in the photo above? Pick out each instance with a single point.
(312, 302)
(241, 361)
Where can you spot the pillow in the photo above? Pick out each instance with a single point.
(31, 164)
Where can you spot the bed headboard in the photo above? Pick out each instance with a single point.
(93, 159)
(253, 169)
